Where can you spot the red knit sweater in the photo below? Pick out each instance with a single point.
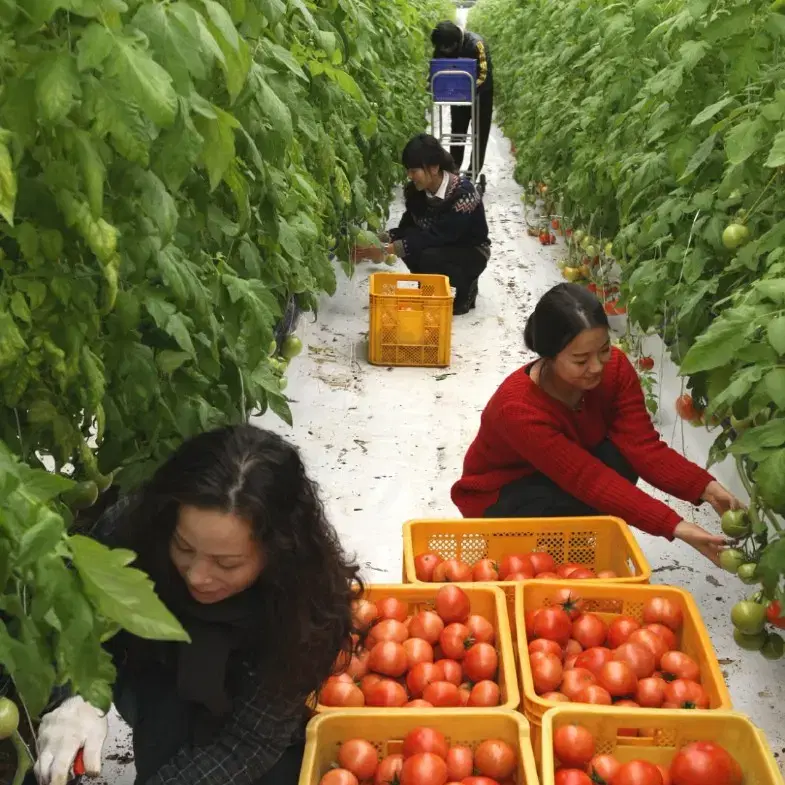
(523, 430)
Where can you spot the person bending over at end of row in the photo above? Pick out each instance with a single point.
(443, 230)
(233, 534)
(569, 435)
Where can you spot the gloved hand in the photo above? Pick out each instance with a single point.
(73, 725)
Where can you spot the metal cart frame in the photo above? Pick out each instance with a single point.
(459, 140)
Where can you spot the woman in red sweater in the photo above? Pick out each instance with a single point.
(569, 435)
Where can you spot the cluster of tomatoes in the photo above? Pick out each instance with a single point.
(577, 657)
(425, 759)
(546, 238)
(697, 763)
(430, 567)
(440, 657)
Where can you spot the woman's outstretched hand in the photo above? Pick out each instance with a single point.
(720, 498)
(710, 545)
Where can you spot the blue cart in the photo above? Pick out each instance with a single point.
(453, 82)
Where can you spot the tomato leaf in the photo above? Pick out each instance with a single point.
(711, 110)
(772, 434)
(777, 153)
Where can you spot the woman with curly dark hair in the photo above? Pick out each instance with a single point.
(235, 537)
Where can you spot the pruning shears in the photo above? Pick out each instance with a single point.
(78, 767)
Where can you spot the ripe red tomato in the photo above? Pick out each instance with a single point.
(568, 568)
(417, 651)
(546, 647)
(685, 408)
(424, 769)
(485, 693)
(452, 604)
(358, 665)
(542, 562)
(336, 692)
(453, 671)
(704, 763)
(388, 658)
(515, 564)
(774, 614)
(570, 601)
(638, 657)
(594, 693)
(426, 625)
(452, 571)
(385, 692)
(582, 574)
(495, 758)
(638, 772)
(387, 630)
(684, 694)
(573, 745)
(618, 678)
(364, 613)
(650, 693)
(572, 777)
(485, 570)
(425, 740)
(359, 757)
(589, 630)
(555, 697)
(478, 781)
(661, 610)
(677, 664)
(553, 623)
(480, 629)
(339, 777)
(668, 635)
(425, 564)
(603, 768)
(575, 680)
(528, 618)
(655, 643)
(388, 771)
(421, 675)
(464, 693)
(593, 659)
(619, 630)
(480, 662)
(549, 576)
(442, 693)
(455, 641)
(392, 608)
(645, 363)
(572, 647)
(460, 763)
(546, 672)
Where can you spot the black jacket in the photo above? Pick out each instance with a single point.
(475, 48)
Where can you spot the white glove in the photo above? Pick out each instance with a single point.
(72, 726)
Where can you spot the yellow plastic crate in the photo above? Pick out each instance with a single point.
(609, 601)
(386, 729)
(411, 320)
(602, 543)
(487, 601)
(665, 733)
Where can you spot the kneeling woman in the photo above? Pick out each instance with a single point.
(234, 535)
(443, 230)
(569, 435)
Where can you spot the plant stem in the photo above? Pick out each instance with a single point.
(760, 196)
(24, 760)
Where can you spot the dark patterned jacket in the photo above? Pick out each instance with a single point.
(431, 222)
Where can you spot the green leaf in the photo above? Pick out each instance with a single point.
(346, 82)
(56, 87)
(44, 485)
(93, 171)
(770, 565)
(711, 111)
(123, 594)
(775, 386)
(94, 46)
(178, 150)
(776, 334)
(169, 361)
(218, 150)
(237, 57)
(19, 307)
(40, 539)
(278, 55)
(699, 156)
(274, 109)
(716, 346)
(8, 184)
(143, 80)
(177, 328)
(280, 406)
(777, 153)
(744, 140)
(772, 434)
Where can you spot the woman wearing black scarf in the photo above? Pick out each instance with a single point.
(234, 536)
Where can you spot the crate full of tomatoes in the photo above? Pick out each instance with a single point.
(634, 646)
(424, 647)
(377, 746)
(587, 745)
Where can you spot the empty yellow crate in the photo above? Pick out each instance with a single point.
(411, 320)
(487, 601)
(609, 601)
(664, 733)
(386, 729)
(602, 543)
